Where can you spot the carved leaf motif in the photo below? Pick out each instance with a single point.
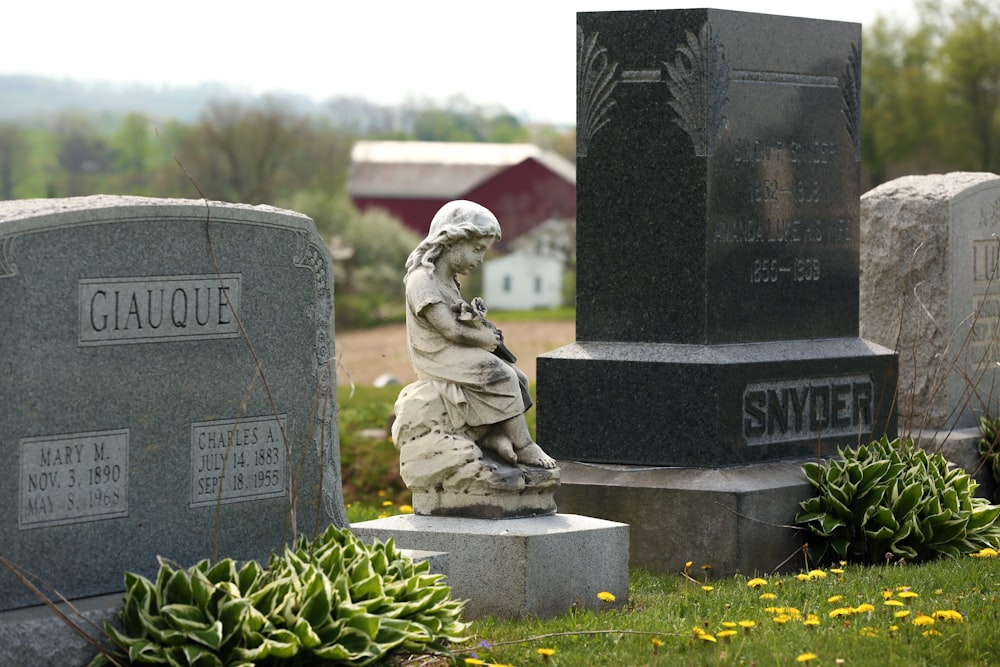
(699, 84)
(850, 88)
(7, 265)
(595, 84)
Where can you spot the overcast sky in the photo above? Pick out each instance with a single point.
(519, 54)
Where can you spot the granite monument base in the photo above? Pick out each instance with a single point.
(737, 519)
(709, 406)
(538, 566)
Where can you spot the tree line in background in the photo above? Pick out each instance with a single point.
(930, 103)
(931, 92)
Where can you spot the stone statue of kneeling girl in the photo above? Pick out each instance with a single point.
(465, 448)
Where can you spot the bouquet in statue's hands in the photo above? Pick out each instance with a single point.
(476, 312)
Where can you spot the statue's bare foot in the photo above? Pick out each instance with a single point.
(533, 455)
(502, 445)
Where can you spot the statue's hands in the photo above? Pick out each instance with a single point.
(491, 338)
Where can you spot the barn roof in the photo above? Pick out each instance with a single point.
(430, 169)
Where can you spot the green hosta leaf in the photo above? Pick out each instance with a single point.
(907, 500)
(197, 656)
(281, 644)
(887, 518)
(145, 652)
(184, 617)
(872, 474)
(178, 588)
(306, 635)
(983, 517)
(949, 531)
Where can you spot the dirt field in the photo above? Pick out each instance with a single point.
(364, 355)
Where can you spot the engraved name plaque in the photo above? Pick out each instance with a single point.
(234, 461)
(73, 478)
(115, 311)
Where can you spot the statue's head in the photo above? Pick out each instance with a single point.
(461, 219)
(455, 221)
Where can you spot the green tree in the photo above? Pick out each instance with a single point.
(13, 158)
(241, 153)
(931, 92)
(969, 63)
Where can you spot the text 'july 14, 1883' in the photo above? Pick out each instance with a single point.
(238, 460)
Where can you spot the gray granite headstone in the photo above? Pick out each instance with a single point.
(167, 387)
(718, 158)
(930, 287)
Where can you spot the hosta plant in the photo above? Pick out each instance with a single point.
(329, 601)
(989, 448)
(894, 500)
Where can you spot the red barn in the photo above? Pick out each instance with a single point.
(521, 183)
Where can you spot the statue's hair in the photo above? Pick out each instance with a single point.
(457, 220)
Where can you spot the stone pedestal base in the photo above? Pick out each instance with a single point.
(36, 636)
(737, 519)
(539, 566)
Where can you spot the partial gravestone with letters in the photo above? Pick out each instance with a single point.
(930, 286)
(718, 162)
(717, 245)
(168, 387)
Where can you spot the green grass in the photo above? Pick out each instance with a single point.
(562, 314)
(675, 610)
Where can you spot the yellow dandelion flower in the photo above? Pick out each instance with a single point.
(725, 634)
(757, 582)
(793, 612)
(381, 493)
(908, 595)
(706, 567)
(805, 657)
(886, 594)
(948, 615)
(987, 552)
(802, 576)
(781, 619)
(657, 643)
(923, 620)
(841, 611)
(707, 588)
(768, 596)
(902, 613)
(687, 565)
(834, 598)
(811, 622)
(931, 633)
(817, 574)
(728, 624)
(474, 661)
(406, 509)
(893, 603)
(938, 591)
(386, 503)
(864, 608)
(837, 570)
(746, 625)
(545, 652)
(774, 610)
(869, 631)
(383, 515)
(605, 596)
(705, 637)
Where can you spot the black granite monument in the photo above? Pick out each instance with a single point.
(718, 158)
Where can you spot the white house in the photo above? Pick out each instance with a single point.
(522, 281)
